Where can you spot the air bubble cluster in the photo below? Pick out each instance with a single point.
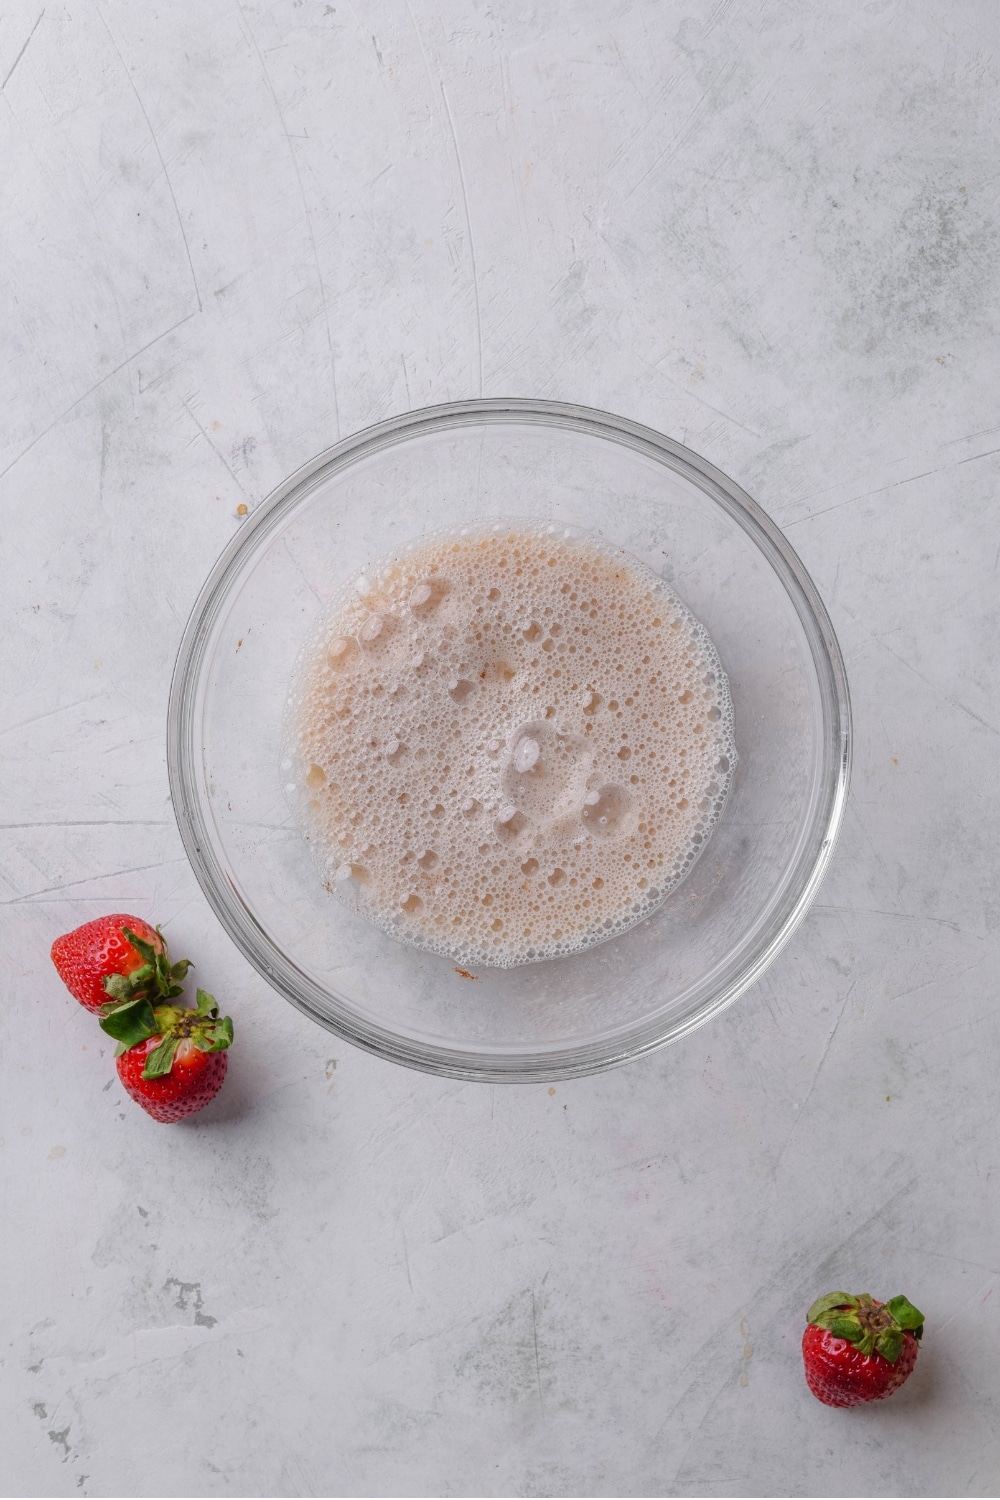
(508, 743)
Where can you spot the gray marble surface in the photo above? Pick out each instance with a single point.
(230, 233)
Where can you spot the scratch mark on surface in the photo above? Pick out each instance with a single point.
(652, 116)
(468, 230)
(48, 714)
(961, 707)
(968, 436)
(702, 402)
(301, 572)
(406, 1258)
(940, 1327)
(626, 69)
(511, 137)
(819, 1068)
(222, 460)
(747, 1351)
(93, 823)
(384, 1137)
(156, 147)
(855, 812)
(397, 1346)
(903, 916)
(687, 128)
(308, 216)
(988, 454)
(538, 1370)
(97, 384)
(461, 177)
(911, 479)
(449, 1234)
(977, 1265)
(926, 984)
(716, 16)
(976, 1021)
(21, 53)
(98, 222)
(665, 1424)
(85, 879)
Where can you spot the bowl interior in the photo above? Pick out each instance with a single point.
(451, 467)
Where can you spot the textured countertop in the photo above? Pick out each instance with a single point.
(230, 234)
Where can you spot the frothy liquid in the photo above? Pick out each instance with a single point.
(508, 744)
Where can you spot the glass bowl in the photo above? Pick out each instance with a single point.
(452, 465)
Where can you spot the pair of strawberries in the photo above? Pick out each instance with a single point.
(171, 1059)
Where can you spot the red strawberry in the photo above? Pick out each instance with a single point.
(114, 959)
(171, 1060)
(856, 1349)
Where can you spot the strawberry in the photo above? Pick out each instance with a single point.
(116, 958)
(856, 1349)
(171, 1059)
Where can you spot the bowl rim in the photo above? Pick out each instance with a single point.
(299, 988)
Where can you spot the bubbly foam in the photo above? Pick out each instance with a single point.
(508, 743)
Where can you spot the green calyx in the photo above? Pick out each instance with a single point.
(137, 1020)
(870, 1326)
(129, 1023)
(156, 977)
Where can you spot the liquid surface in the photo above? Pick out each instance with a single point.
(508, 744)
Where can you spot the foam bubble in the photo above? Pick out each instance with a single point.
(508, 743)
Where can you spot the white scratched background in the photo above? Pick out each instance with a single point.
(229, 234)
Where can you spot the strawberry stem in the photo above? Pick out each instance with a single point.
(828, 1303)
(869, 1325)
(905, 1314)
(130, 1023)
(161, 1059)
(175, 1024)
(156, 977)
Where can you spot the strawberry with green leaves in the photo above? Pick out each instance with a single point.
(117, 958)
(171, 1059)
(856, 1349)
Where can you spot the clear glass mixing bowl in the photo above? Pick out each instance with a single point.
(447, 466)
